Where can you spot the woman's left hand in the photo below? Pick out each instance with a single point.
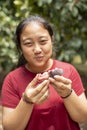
(62, 85)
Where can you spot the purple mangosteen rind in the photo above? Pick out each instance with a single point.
(57, 71)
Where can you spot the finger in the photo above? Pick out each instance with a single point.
(40, 94)
(62, 79)
(34, 95)
(44, 97)
(59, 86)
(40, 86)
(30, 88)
(34, 81)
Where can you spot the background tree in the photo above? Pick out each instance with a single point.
(67, 17)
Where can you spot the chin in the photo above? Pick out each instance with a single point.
(40, 65)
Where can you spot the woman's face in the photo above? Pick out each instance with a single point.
(36, 46)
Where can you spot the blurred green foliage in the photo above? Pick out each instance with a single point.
(67, 17)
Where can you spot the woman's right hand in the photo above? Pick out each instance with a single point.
(37, 92)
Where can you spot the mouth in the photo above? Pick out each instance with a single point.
(39, 58)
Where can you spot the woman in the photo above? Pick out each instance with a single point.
(31, 99)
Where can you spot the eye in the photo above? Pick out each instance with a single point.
(44, 41)
(28, 43)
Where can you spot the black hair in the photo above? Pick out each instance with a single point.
(20, 29)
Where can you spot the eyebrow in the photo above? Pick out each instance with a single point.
(43, 36)
(26, 39)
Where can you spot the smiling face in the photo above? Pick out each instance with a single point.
(36, 46)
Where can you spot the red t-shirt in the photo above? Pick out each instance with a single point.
(52, 114)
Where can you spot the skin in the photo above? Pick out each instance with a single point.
(36, 46)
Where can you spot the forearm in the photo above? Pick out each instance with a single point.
(76, 108)
(19, 117)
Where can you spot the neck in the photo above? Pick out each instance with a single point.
(40, 69)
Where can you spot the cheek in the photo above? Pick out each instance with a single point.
(48, 49)
(26, 51)
(27, 54)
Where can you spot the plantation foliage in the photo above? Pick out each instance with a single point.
(67, 17)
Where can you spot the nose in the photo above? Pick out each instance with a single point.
(37, 48)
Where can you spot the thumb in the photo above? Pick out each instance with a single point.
(34, 82)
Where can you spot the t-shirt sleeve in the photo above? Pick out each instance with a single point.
(9, 93)
(77, 84)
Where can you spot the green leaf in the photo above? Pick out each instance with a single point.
(18, 2)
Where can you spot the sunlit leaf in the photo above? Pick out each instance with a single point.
(18, 2)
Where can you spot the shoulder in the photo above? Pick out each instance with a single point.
(17, 70)
(68, 69)
(71, 72)
(14, 73)
(64, 65)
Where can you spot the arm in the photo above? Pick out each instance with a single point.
(75, 105)
(17, 118)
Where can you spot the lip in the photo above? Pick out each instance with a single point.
(39, 58)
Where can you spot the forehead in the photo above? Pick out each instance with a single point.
(34, 28)
(34, 25)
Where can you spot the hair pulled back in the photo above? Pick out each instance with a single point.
(20, 28)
